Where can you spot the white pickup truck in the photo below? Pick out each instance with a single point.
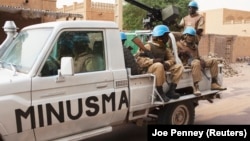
(43, 97)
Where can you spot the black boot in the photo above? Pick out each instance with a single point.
(171, 92)
(163, 96)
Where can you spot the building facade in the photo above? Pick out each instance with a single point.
(96, 11)
(227, 34)
(227, 22)
(28, 12)
(16, 10)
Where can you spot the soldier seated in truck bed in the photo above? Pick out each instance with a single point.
(189, 54)
(162, 60)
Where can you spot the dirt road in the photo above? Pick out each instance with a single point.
(234, 106)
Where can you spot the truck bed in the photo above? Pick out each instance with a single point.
(143, 92)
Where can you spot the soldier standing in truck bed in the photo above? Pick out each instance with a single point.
(194, 19)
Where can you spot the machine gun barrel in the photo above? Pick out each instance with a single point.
(149, 9)
(153, 11)
(166, 15)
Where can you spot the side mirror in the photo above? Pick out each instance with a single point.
(67, 66)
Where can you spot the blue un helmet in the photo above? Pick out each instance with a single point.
(193, 4)
(123, 36)
(189, 30)
(81, 38)
(160, 30)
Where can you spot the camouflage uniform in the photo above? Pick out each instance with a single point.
(189, 55)
(84, 62)
(195, 20)
(158, 68)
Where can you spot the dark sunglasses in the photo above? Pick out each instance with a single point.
(191, 7)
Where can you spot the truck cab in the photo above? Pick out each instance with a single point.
(39, 100)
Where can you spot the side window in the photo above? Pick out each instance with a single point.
(50, 67)
(62, 48)
(88, 48)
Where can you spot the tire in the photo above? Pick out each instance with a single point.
(130, 61)
(181, 113)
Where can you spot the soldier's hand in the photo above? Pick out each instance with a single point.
(184, 54)
(158, 60)
(166, 66)
(199, 32)
(180, 54)
(148, 54)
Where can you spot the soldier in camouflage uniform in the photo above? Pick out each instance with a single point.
(128, 56)
(161, 60)
(189, 55)
(83, 56)
(194, 19)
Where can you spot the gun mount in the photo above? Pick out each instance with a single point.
(166, 15)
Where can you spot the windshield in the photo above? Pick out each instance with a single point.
(24, 50)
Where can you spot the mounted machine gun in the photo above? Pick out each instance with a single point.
(166, 15)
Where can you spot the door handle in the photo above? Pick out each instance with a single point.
(101, 85)
(53, 94)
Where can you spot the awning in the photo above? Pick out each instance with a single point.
(37, 13)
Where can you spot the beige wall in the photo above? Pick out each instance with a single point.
(23, 19)
(96, 11)
(49, 5)
(229, 47)
(227, 34)
(227, 22)
(241, 48)
(34, 4)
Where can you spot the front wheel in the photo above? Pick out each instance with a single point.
(181, 113)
